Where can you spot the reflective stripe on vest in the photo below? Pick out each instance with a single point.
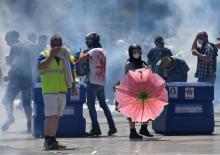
(52, 71)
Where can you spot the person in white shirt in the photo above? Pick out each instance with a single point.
(96, 83)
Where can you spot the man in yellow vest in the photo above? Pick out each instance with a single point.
(55, 82)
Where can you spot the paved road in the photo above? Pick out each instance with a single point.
(17, 142)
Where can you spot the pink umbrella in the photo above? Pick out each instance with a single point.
(141, 95)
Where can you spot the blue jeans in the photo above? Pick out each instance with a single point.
(98, 91)
(208, 79)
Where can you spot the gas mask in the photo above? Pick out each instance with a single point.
(200, 41)
(92, 39)
(136, 55)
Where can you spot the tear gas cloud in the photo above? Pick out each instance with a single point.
(119, 24)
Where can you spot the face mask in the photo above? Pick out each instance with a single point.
(200, 41)
(136, 55)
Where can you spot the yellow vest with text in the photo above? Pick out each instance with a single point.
(53, 79)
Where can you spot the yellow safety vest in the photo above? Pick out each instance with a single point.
(53, 78)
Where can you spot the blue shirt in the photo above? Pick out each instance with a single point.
(177, 73)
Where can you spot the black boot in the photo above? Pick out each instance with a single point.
(144, 131)
(134, 134)
(112, 129)
(59, 145)
(95, 131)
(49, 144)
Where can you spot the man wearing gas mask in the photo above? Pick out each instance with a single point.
(96, 83)
(206, 53)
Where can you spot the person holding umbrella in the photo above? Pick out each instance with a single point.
(141, 94)
(135, 62)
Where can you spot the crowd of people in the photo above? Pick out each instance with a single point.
(35, 61)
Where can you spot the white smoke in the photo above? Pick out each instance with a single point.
(140, 21)
(190, 17)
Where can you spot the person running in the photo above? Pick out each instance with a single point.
(19, 79)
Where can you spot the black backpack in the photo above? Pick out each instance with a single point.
(82, 67)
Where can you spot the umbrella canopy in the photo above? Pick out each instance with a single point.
(141, 95)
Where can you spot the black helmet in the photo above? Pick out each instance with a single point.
(93, 40)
